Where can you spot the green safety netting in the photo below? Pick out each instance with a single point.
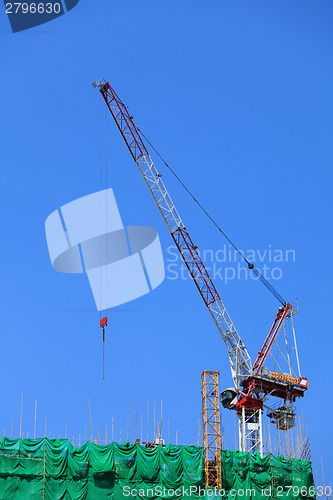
(53, 469)
(247, 476)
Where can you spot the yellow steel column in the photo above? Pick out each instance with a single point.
(211, 428)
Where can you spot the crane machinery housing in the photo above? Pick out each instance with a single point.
(253, 384)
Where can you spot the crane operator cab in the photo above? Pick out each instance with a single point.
(228, 398)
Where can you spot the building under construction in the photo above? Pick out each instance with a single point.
(54, 469)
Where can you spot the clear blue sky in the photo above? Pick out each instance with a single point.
(237, 95)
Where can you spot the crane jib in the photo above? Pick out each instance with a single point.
(195, 265)
(125, 122)
(239, 358)
(181, 237)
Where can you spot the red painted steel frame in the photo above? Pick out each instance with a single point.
(124, 122)
(195, 265)
(276, 388)
(251, 383)
(262, 354)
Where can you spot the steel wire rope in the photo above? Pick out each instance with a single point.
(103, 183)
(101, 187)
(106, 205)
(106, 227)
(260, 327)
(250, 265)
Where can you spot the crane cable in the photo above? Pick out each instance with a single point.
(103, 321)
(251, 266)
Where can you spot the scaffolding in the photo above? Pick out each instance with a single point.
(211, 429)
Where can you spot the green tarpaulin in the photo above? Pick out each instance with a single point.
(53, 469)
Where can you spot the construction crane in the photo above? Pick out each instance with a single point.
(253, 385)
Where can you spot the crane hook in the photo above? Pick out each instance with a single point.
(103, 323)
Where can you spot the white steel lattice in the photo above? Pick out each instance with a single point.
(250, 430)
